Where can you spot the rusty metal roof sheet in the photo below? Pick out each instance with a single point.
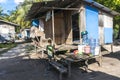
(38, 9)
(10, 23)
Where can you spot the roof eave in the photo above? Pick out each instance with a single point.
(92, 3)
(101, 7)
(9, 23)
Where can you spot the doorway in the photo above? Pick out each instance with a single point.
(75, 27)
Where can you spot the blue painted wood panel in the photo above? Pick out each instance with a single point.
(92, 22)
(108, 35)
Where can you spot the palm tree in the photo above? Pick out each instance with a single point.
(18, 15)
(2, 14)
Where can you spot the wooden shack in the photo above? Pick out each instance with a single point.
(7, 31)
(64, 20)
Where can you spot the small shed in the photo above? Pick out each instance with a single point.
(65, 20)
(7, 31)
(25, 33)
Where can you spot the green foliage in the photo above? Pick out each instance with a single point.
(18, 16)
(116, 28)
(1, 13)
(114, 5)
(7, 45)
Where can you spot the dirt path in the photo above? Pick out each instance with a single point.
(15, 65)
(14, 52)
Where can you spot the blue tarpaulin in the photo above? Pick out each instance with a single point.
(35, 22)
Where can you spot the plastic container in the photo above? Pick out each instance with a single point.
(87, 50)
(81, 48)
(92, 50)
(85, 39)
(97, 50)
(92, 43)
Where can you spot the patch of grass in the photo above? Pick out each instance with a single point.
(7, 47)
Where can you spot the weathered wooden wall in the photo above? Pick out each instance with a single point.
(63, 25)
(101, 28)
(68, 27)
(48, 29)
(59, 28)
(82, 20)
(63, 28)
(105, 23)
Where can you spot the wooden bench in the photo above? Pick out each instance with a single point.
(59, 67)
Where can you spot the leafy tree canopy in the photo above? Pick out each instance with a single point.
(114, 5)
(18, 16)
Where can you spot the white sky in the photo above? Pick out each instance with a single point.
(16, 1)
(8, 5)
(2, 1)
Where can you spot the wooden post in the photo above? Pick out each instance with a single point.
(42, 54)
(82, 24)
(111, 47)
(69, 69)
(35, 48)
(100, 57)
(53, 26)
(60, 76)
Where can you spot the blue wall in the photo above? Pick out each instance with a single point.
(108, 35)
(92, 22)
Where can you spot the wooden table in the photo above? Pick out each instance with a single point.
(69, 59)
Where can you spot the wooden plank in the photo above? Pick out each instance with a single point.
(101, 35)
(82, 24)
(58, 66)
(57, 8)
(53, 27)
(111, 47)
(59, 28)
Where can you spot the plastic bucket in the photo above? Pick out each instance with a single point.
(87, 50)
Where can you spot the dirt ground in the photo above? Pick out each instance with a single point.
(19, 65)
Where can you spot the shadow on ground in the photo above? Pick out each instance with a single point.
(113, 55)
(35, 69)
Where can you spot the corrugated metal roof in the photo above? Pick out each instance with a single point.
(99, 6)
(38, 9)
(9, 23)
